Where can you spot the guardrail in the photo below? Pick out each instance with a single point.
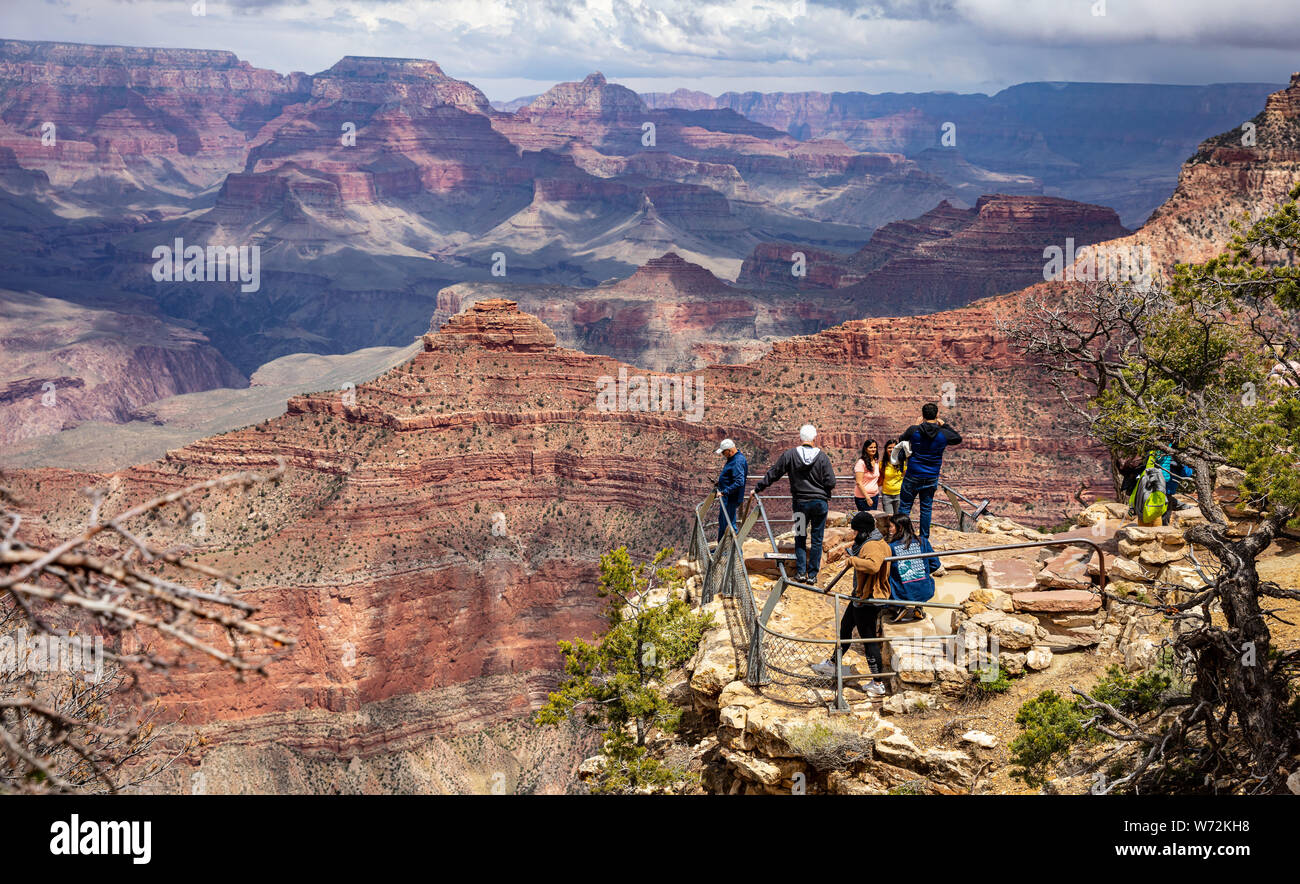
(768, 650)
(965, 520)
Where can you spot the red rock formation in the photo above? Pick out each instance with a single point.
(945, 258)
(120, 107)
(670, 314)
(1225, 180)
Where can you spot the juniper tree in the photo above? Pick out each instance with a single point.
(613, 685)
(1205, 368)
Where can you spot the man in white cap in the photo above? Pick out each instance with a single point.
(730, 484)
(812, 479)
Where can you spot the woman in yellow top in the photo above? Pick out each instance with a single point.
(891, 480)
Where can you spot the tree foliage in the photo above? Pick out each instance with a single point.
(614, 683)
(1205, 367)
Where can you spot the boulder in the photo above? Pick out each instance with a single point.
(767, 771)
(1038, 658)
(1013, 634)
(1140, 653)
(1118, 568)
(980, 738)
(907, 702)
(1007, 575)
(898, 749)
(1100, 512)
(991, 599)
(948, 766)
(1186, 518)
(1013, 662)
(971, 564)
(592, 766)
(1181, 574)
(1057, 600)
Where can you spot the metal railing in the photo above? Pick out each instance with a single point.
(770, 651)
(965, 520)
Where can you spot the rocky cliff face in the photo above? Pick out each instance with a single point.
(1115, 144)
(670, 315)
(439, 531)
(945, 258)
(126, 118)
(61, 365)
(1244, 172)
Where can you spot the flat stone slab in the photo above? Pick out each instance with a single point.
(1052, 600)
(1008, 575)
(1102, 534)
(1068, 569)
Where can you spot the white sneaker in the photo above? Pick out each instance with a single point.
(827, 668)
(875, 688)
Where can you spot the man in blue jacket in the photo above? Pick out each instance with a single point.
(730, 485)
(928, 439)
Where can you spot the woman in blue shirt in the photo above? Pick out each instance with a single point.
(910, 580)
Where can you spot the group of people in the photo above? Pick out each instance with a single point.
(889, 480)
(886, 483)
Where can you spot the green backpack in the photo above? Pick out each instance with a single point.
(1148, 501)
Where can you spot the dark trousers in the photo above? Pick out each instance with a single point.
(866, 503)
(728, 509)
(924, 489)
(867, 619)
(814, 512)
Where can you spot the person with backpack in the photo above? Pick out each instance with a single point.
(927, 442)
(892, 470)
(911, 580)
(730, 485)
(1148, 502)
(866, 478)
(867, 555)
(812, 479)
(1174, 472)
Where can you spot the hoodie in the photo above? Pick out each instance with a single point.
(870, 571)
(927, 441)
(810, 472)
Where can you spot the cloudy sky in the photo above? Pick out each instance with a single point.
(510, 48)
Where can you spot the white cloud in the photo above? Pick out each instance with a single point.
(874, 45)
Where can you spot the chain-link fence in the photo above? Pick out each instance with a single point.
(775, 657)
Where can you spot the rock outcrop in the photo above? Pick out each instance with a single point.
(61, 365)
(946, 258)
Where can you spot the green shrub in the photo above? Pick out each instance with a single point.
(1051, 726)
(1134, 696)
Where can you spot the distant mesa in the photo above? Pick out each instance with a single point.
(493, 324)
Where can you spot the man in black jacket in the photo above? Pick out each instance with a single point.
(812, 480)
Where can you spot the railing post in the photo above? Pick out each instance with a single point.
(840, 705)
(756, 670)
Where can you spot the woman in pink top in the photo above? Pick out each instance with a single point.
(866, 478)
